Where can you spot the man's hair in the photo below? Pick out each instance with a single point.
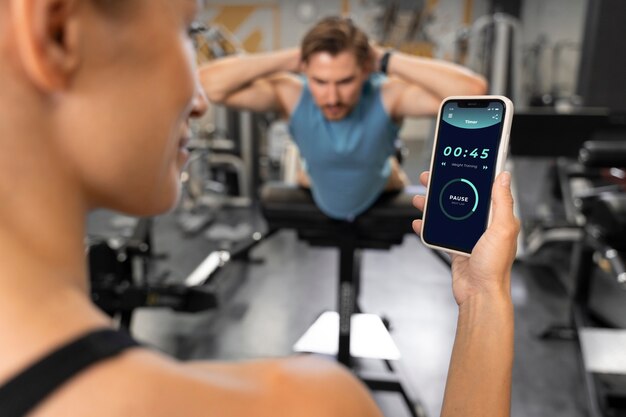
(334, 35)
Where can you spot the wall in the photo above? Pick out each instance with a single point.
(265, 25)
(271, 24)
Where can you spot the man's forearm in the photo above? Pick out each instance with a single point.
(225, 76)
(439, 77)
(479, 378)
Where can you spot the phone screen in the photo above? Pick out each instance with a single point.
(464, 165)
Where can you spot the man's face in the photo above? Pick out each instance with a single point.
(335, 82)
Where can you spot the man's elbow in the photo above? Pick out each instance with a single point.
(478, 86)
(214, 95)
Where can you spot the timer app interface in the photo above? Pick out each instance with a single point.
(463, 171)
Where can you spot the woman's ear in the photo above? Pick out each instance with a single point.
(46, 33)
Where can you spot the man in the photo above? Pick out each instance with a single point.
(345, 113)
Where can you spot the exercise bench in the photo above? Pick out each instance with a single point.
(382, 226)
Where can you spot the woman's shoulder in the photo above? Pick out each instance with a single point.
(145, 383)
(138, 382)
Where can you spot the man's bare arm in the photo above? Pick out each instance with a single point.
(440, 78)
(417, 85)
(249, 81)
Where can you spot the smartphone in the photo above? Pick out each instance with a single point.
(471, 143)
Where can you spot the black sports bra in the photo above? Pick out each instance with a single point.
(25, 391)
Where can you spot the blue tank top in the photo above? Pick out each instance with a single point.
(347, 160)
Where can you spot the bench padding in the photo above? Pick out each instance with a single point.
(385, 223)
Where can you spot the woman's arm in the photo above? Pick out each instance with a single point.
(479, 378)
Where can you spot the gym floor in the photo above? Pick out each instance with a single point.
(270, 302)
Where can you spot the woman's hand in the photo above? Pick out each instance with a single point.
(488, 269)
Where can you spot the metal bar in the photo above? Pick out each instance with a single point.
(247, 136)
(390, 383)
(346, 296)
(579, 318)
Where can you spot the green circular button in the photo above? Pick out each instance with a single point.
(441, 199)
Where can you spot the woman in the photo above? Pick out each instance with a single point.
(96, 97)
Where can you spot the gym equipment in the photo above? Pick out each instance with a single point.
(494, 45)
(119, 270)
(561, 93)
(555, 138)
(548, 90)
(601, 247)
(603, 57)
(535, 82)
(383, 225)
(214, 41)
(217, 173)
(202, 195)
(122, 276)
(546, 132)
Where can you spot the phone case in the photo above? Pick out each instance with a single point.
(500, 160)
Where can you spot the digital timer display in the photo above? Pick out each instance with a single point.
(459, 151)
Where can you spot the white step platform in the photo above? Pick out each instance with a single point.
(604, 350)
(369, 337)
